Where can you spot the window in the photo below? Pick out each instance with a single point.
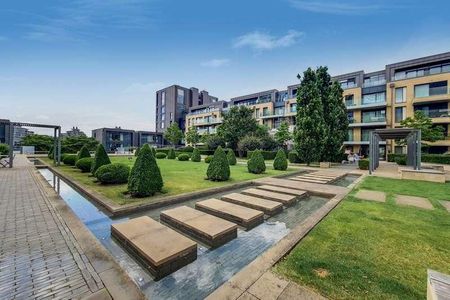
(163, 117)
(350, 135)
(400, 95)
(400, 113)
(171, 116)
(293, 107)
(257, 113)
(374, 98)
(374, 80)
(163, 109)
(349, 100)
(162, 125)
(279, 111)
(294, 93)
(350, 117)
(180, 96)
(374, 116)
(163, 98)
(265, 111)
(431, 89)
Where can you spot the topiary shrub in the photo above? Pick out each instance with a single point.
(153, 151)
(171, 154)
(363, 164)
(231, 158)
(183, 157)
(84, 152)
(256, 164)
(136, 152)
(4, 149)
(70, 159)
(293, 157)
(208, 159)
(280, 162)
(101, 158)
(145, 177)
(196, 157)
(218, 169)
(84, 164)
(113, 173)
(161, 155)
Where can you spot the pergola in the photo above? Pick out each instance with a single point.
(412, 137)
(56, 139)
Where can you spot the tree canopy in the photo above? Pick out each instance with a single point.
(282, 135)
(429, 132)
(40, 142)
(237, 123)
(192, 136)
(173, 134)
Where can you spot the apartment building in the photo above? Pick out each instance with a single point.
(380, 99)
(117, 138)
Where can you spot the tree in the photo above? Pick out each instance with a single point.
(218, 169)
(213, 141)
(101, 158)
(256, 164)
(39, 141)
(192, 136)
(249, 143)
(84, 152)
(237, 123)
(310, 130)
(282, 136)
(173, 134)
(73, 144)
(420, 121)
(145, 177)
(196, 157)
(280, 163)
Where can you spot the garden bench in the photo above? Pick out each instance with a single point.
(4, 161)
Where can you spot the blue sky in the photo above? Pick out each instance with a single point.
(97, 63)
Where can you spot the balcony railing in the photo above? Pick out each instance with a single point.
(348, 85)
(374, 83)
(373, 119)
(437, 113)
(206, 122)
(199, 112)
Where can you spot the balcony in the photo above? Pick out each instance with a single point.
(348, 85)
(438, 115)
(374, 83)
(205, 111)
(207, 122)
(361, 105)
(369, 121)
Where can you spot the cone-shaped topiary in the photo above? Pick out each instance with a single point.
(280, 162)
(171, 154)
(136, 152)
(218, 169)
(231, 157)
(84, 152)
(145, 177)
(196, 155)
(154, 152)
(100, 159)
(256, 164)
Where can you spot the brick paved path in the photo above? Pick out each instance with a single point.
(39, 257)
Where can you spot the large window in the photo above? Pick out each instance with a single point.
(436, 69)
(350, 135)
(374, 80)
(180, 96)
(374, 116)
(348, 84)
(266, 111)
(293, 107)
(349, 100)
(400, 113)
(374, 98)
(350, 117)
(430, 89)
(400, 95)
(163, 98)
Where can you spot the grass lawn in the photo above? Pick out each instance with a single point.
(375, 250)
(179, 177)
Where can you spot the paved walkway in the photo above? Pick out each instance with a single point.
(39, 257)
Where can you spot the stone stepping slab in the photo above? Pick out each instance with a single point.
(160, 248)
(243, 216)
(306, 179)
(371, 195)
(267, 206)
(274, 196)
(208, 229)
(319, 176)
(279, 189)
(419, 202)
(445, 204)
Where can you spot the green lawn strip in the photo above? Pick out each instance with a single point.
(374, 250)
(179, 177)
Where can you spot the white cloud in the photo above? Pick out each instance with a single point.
(264, 41)
(215, 62)
(335, 7)
(138, 87)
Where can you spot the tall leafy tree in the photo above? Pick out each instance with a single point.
(192, 136)
(39, 141)
(282, 136)
(310, 131)
(73, 144)
(429, 132)
(237, 123)
(173, 134)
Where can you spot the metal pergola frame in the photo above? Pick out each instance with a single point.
(412, 137)
(56, 139)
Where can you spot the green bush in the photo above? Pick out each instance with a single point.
(268, 155)
(161, 155)
(208, 159)
(183, 157)
(186, 149)
(249, 143)
(280, 162)
(84, 164)
(153, 151)
(293, 157)
(113, 173)
(196, 157)
(145, 177)
(213, 141)
(427, 158)
(70, 159)
(84, 152)
(4, 149)
(256, 164)
(231, 158)
(218, 169)
(401, 161)
(363, 164)
(136, 153)
(101, 158)
(171, 154)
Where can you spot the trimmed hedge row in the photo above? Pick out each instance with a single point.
(428, 158)
(363, 164)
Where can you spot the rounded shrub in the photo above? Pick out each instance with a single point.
(196, 157)
(101, 158)
(231, 157)
(183, 157)
(145, 177)
(161, 155)
(218, 169)
(171, 154)
(70, 159)
(113, 173)
(280, 162)
(363, 164)
(84, 152)
(84, 164)
(256, 164)
(208, 159)
(4, 149)
(293, 157)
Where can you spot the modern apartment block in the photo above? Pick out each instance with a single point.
(117, 138)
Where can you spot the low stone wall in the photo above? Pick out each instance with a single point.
(423, 175)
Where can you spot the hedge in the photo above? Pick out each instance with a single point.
(256, 164)
(363, 164)
(218, 169)
(280, 163)
(183, 157)
(160, 155)
(428, 158)
(84, 164)
(113, 173)
(401, 161)
(267, 155)
(208, 159)
(101, 158)
(145, 176)
(70, 159)
(196, 157)
(4, 149)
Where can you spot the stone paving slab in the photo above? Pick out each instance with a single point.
(268, 207)
(371, 195)
(320, 176)
(278, 189)
(419, 202)
(207, 228)
(268, 286)
(274, 196)
(244, 216)
(310, 180)
(314, 188)
(445, 204)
